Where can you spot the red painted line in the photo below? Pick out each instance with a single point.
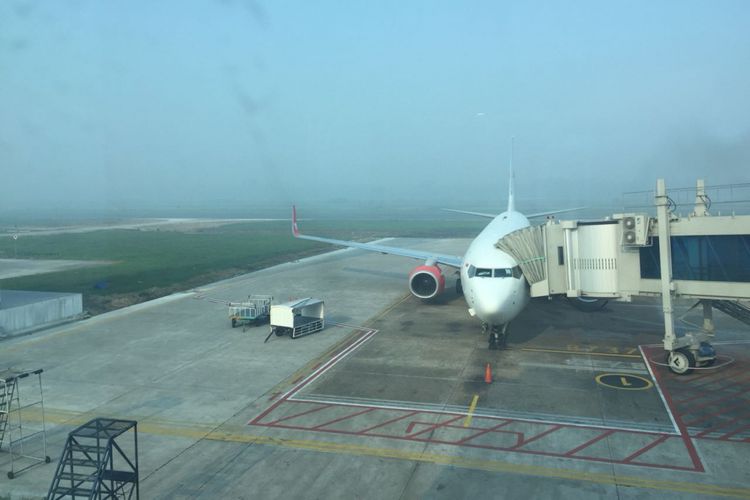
(724, 376)
(724, 424)
(723, 411)
(494, 448)
(692, 452)
(714, 401)
(742, 388)
(480, 416)
(415, 423)
(523, 442)
(692, 379)
(492, 429)
(588, 443)
(410, 414)
(345, 417)
(726, 437)
(256, 420)
(643, 450)
(289, 417)
(473, 428)
(432, 427)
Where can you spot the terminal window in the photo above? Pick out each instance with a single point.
(702, 258)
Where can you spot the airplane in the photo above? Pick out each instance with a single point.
(491, 280)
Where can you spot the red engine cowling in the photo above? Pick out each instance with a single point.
(426, 282)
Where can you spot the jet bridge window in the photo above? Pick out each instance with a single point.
(702, 258)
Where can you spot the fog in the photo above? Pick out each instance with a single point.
(125, 105)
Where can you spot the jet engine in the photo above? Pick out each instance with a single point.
(426, 282)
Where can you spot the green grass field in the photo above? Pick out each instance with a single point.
(151, 264)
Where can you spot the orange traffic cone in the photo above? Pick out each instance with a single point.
(488, 374)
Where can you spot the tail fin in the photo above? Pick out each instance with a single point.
(295, 229)
(511, 182)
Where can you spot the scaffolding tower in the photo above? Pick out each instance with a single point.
(24, 440)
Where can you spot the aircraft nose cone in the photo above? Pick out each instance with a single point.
(490, 308)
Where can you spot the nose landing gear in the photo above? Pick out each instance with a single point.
(498, 335)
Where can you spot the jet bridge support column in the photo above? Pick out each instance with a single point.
(692, 349)
(665, 257)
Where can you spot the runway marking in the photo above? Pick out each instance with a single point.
(579, 367)
(580, 352)
(623, 382)
(472, 407)
(710, 405)
(488, 465)
(234, 434)
(281, 416)
(678, 423)
(667, 407)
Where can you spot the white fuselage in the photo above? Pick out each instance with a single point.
(493, 286)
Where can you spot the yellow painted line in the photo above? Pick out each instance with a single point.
(472, 407)
(487, 465)
(581, 353)
(237, 434)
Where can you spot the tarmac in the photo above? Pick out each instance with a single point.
(390, 400)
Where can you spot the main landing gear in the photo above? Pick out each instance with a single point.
(498, 335)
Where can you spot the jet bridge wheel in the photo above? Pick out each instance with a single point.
(681, 361)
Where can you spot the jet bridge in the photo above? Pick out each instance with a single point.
(701, 256)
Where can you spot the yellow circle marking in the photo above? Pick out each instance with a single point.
(624, 381)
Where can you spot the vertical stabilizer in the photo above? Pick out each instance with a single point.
(511, 182)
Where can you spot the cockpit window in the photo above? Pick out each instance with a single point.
(503, 272)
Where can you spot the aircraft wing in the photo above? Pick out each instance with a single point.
(480, 214)
(552, 212)
(528, 216)
(448, 260)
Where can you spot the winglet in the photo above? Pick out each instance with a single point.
(295, 229)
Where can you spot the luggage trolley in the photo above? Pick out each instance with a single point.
(256, 309)
(297, 318)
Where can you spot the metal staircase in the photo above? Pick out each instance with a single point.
(734, 309)
(93, 465)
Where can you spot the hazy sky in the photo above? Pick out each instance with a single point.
(200, 103)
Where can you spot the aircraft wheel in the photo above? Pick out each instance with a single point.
(459, 288)
(681, 361)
